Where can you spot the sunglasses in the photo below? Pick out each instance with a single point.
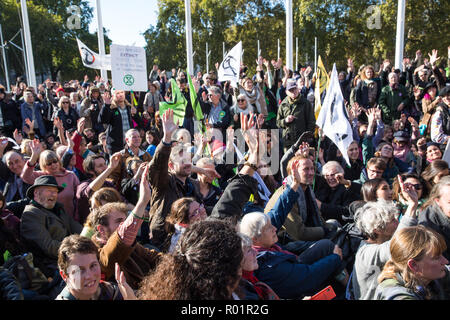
(241, 100)
(51, 162)
(415, 186)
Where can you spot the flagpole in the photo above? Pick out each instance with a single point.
(400, 39)
(101, 40)
(278, 50)
(296, 53)
(8, 88)
(24, 53)
(207, 58)
(190, 59)
(315, 53)
(289, 34)
(317, 157)
(28, 46)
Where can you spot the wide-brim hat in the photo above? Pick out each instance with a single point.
(43, 181)
(444, 91)
(430, 85)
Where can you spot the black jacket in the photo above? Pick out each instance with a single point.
(114, 132)
(10, 288)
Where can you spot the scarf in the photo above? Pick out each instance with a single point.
(254, 98)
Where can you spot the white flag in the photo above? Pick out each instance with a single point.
(230, 66)
(93, 60)
(333, 119)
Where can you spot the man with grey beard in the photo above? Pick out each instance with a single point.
(45, 224)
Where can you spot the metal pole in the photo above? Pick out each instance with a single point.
(27, 73)
(278, 50)
(207, 59)
(259, 52)
(28, 46)
(296, 53)
(101, 40)
(289, 34)
(190, 58)
(400, 39)
(8, 88)
(223, 50)
(315, 54)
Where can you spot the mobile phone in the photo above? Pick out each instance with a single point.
(325, 294)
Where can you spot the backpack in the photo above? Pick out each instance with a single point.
(348, 238)
(29, 277)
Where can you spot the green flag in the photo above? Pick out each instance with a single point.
(178, 104)
(194, 100)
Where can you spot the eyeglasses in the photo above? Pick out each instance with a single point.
(51, 162)
(417, 186)
(196, 211)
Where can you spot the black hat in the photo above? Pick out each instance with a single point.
(444, 91)
(402, 136)
(430, 85)
(43, 181)
(431, 143)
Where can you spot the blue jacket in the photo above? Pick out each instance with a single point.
(289, 278)
(26, 112)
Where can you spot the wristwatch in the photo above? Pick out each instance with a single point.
(251, 165)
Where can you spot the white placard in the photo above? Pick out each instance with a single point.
(128, 68)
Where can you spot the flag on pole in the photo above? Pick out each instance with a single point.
(333, 119)
(230, 66)
(322, 81)
(198, 113)
(93, 60)
(178, 104)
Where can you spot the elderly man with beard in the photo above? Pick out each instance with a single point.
(45, 224)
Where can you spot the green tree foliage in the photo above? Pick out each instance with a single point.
(342, 28)
(55, 50)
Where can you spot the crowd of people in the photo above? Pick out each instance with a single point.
(104, 197)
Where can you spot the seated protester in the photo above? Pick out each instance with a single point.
(353, 171)
(204, 184)
(416, 269)
(11, 221)
(50, 164)
(99, 198)
(436, 211)
(334, 193)
(427, 153)
(304, 221)
(216, 110)
(68, 159)
(152, 140)
(10, 170)
(375, 168)
(252, 287)
(439, 121)
(101, 147)
(80, 269)
(115, 238)
(130, 184)
(206, 265)
(376, 189)
(385, 151)
(66, 114)
(94, 166)
(402, 148)
(399, 197)
(377, 220)
(184, 212)
(435, 172)
(290, 276)
(170, 179)
(132, 149)
(45, 223)
(241, 106)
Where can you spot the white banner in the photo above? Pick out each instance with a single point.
(332, 118)
(230, 66)
(93, 60)
(129, 68)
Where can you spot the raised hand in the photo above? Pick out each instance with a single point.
(80, 125)
(145, 193)
(124, 287)
(433, 57)
(17, 136)
(69, 140)
(251, 136)
(408, 192)
(168, 125)
(115, 160)
(260, 120)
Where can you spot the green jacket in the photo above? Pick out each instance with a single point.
(305, 120)
(389, 101)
